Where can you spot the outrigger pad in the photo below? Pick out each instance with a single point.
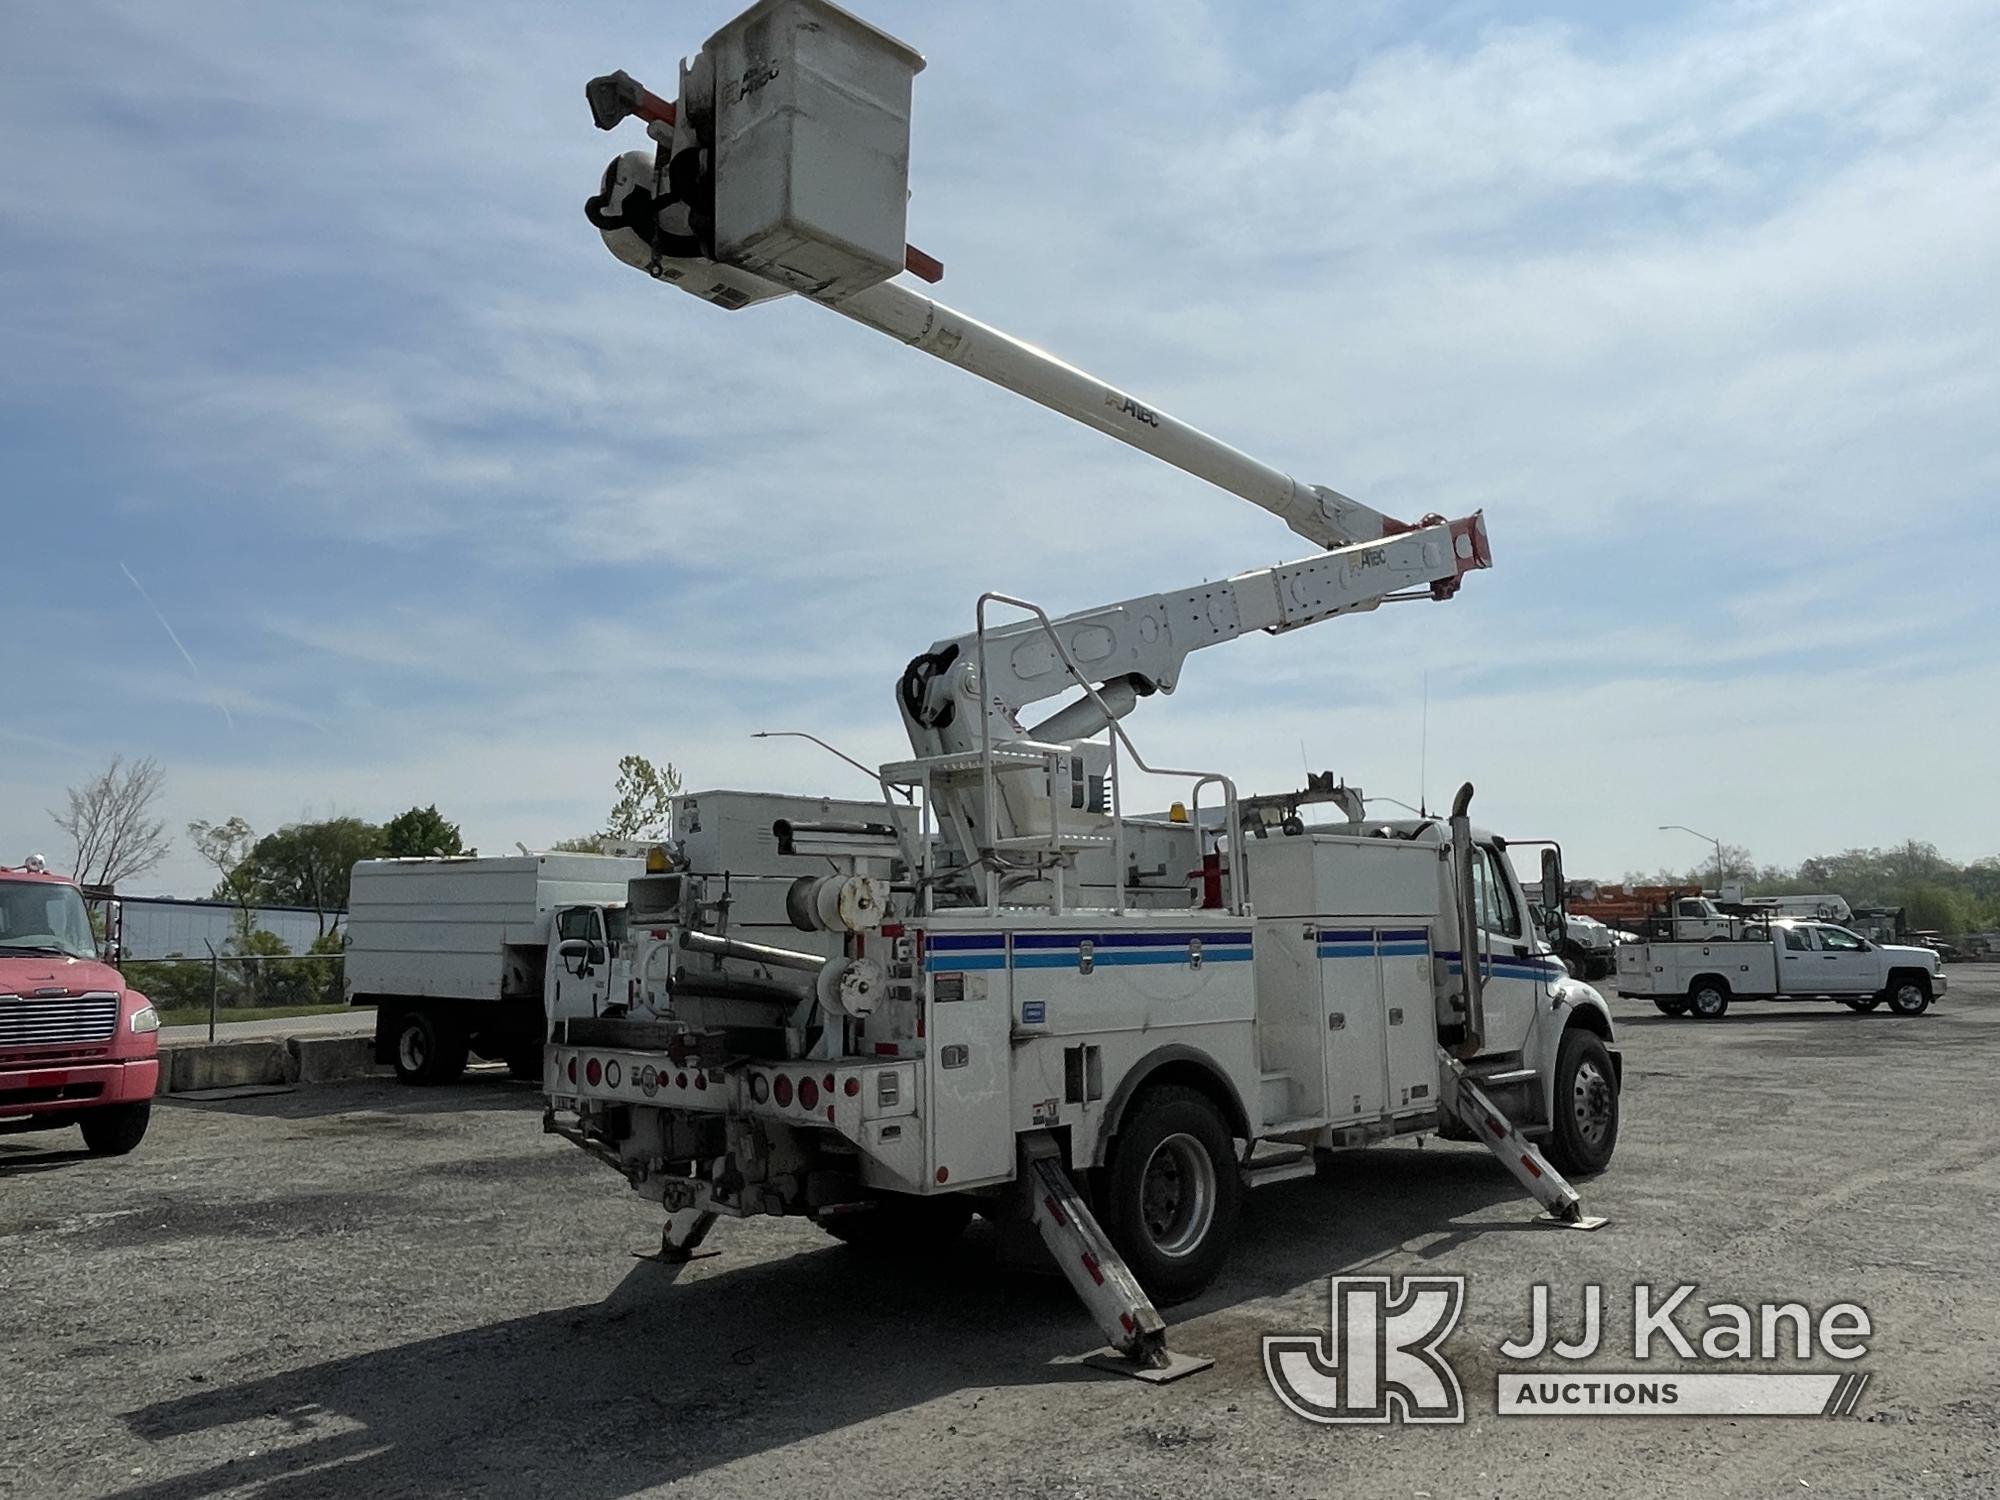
(1176, 1366)
(1587, 1221)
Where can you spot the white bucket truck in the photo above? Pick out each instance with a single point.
(1026, 996)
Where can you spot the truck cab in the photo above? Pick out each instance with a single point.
(78, 1046)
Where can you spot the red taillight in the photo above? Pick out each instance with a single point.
(829, 1111)
(852, 1087)
(593, 1071)
(781, 1090)
(828, 1085)
(808, 1094)
(572, 1070)
(701, 1080)
(944, 1174)
(680, 1080)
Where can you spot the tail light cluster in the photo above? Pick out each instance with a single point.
(609, 1072)
(783, 1090)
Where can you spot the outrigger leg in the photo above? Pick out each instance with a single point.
(1101, 1278)
(1517, 1153)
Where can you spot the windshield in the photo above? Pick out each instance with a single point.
(46, 917)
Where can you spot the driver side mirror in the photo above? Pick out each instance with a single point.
(1554, 894)
(574, 953)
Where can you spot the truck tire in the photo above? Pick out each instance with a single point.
(116, 1128)
(897, 1224)
(1671, 1005)
(1862, 1002)
(1584, 1130)
(429, 1049)
(1909, 994)
(1173, 1192)
(1708, 999)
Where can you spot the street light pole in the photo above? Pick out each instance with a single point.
(1710, 838)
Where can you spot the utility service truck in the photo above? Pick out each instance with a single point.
(1793, 960)
(1024, 1006)
(461, 955)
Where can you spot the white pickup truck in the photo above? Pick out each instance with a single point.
(1799, 960)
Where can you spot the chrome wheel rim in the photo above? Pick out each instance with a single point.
(1707, 1002)
(1177, 1195)
(410, 1049)
(1590, 1101)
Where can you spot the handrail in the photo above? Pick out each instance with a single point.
(1118, 737)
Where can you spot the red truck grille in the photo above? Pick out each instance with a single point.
(56, 1022)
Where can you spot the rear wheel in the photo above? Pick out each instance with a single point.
(1584, 1131)
(1708, 1000)
(428, 1049)
(116, 1128)
(1173, 1193)
(1909, 996)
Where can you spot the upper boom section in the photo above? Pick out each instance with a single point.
(783, 166)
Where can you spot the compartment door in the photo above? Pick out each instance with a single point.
(1357, 1077)
(1409, 1018)
(968, 1112)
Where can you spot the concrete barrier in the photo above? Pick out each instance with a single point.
(188, 1067)
(320, 1059)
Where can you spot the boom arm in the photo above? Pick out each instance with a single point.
(1135, 648)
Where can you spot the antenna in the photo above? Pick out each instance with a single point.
(1424, 752)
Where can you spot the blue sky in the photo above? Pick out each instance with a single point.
(305, 331)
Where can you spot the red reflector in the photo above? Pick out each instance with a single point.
(944, 1174)
(892, 929)
(1125, 1322)
(701, 1080)
(808, 1094)
(1055, 1210)
(1096, 1271)
(1529, 1163)
(828, 1085)
(1499, 1130)
(852, 1087)
(885, 1049)
(592, 1072)
(781, 1090)
(829, 1111)
(680, 1080)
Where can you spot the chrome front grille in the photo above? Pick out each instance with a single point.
(26, 1022)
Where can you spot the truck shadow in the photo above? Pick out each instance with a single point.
(663, 1380)
(485, 1089)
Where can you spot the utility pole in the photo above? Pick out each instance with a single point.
(1683, 828)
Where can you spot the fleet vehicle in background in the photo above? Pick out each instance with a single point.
(1025, 989)
(1588, 949)
(1826, 908)
(78, 1046)
(1797, 960)
(468, 955)
(1656, 911)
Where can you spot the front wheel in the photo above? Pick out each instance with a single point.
(1909, 997)
(115, 1129)
(428, 1050)
(1173, 1192)
(1584, 1130)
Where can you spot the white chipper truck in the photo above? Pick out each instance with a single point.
(469, 955)
(1031, 1005)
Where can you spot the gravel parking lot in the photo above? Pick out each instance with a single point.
(362, 1289)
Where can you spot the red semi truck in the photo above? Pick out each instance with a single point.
(78, 1046)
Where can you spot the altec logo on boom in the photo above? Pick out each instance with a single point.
(1381, 1359)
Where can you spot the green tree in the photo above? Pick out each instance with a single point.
(643, 805)
(308, 864)
(421, 832)
(227, 847)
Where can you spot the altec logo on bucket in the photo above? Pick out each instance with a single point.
(1381, 1359)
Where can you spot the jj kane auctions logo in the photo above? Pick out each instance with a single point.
(1381, 1358)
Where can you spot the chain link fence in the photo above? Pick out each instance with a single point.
(220, 983)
